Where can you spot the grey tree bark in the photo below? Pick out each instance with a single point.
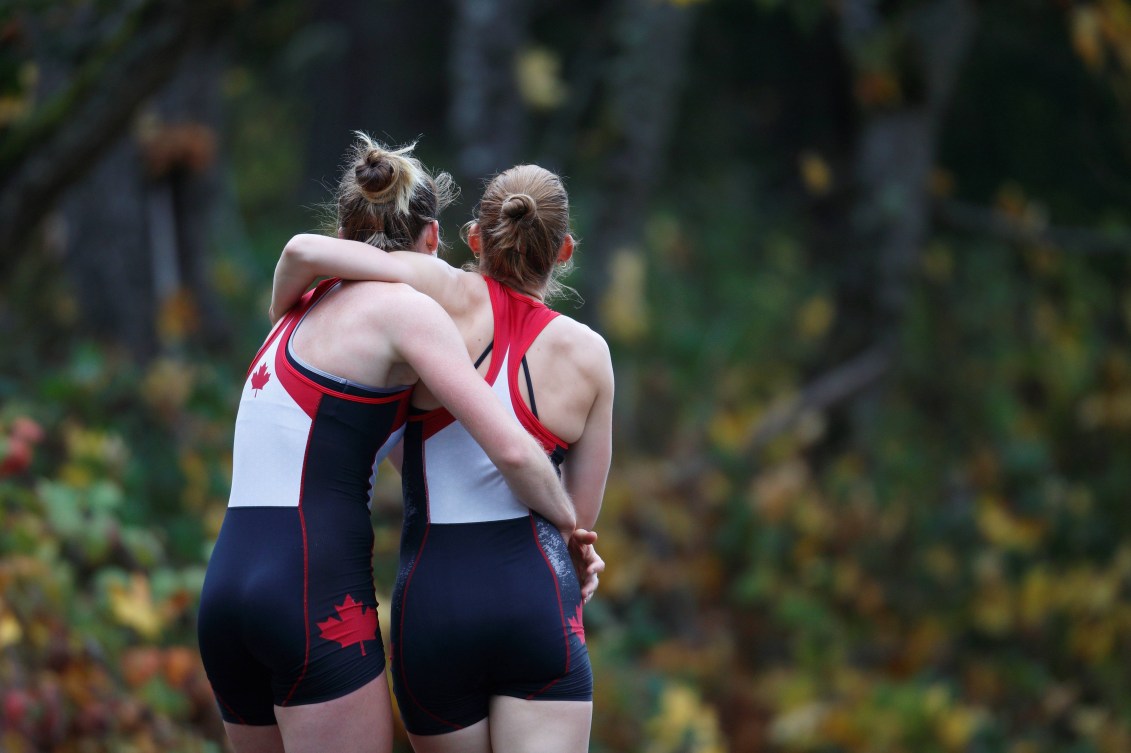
(134, 234)
(138, 227)
(487, 118)
(642, 96)
(49, 151)
(888, 214)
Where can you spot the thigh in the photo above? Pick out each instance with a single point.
(473, 739)
(360, 721)
(521, 726)
(247, 738)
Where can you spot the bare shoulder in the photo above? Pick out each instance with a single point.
(383, 302)
(580, 343)
(376, 295)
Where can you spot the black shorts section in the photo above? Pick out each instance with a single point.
(288, 612)
(484, 609)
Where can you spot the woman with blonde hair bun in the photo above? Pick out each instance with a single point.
(287, 625)
(488, 642)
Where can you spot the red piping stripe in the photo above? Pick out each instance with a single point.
(231, 710)
(305, 573)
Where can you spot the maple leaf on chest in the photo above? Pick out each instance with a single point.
(260, 378)
(354, 624)
(575, 625)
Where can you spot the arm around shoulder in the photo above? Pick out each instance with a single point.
(308, 256)
(433, 347)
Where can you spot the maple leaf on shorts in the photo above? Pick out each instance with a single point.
(354, 624)
(260, 378)
(575, 625)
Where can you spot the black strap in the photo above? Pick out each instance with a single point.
(486, 352)
(529, 387)
(525, 370)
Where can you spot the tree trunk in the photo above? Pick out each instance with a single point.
(375, 71)
(139, 227)
(487, 118)
(50, 151)
(642, 97)
(887, 216)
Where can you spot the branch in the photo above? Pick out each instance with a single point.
(59, 144)
(971, 218)
(826, 391)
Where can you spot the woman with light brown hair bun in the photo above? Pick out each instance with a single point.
(287, 625)
(488, 642)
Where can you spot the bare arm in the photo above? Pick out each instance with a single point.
(432, 345)
(308, 256)
(586, 468)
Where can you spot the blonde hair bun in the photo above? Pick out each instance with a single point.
(376, 175)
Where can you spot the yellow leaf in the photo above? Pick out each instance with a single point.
(133, 606)
(538, 71)
(168, 385)
(625, 308)
(816, 317)
(10, 630)
(957, 726)
(683, 723)
(992, 610)
(1086, 36)
(1036, 597)
(177, 317)
(1008, 531)
(798, 727)
(816, 174)
(774, 492)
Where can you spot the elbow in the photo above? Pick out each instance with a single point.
(526, 459)
(293, 253)
(300, 255)
(516, 458)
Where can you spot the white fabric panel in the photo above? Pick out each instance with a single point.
(270, 443)
(464, 486)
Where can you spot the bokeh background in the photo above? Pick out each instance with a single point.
(863, 266)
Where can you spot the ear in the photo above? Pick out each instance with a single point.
(566, 251)
(474, 239)
(341, 233)
(432, 237)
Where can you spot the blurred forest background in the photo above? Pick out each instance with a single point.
(863, 266)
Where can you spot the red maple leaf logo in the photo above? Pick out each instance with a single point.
(575, 625)
(354, 624)
(260, 378)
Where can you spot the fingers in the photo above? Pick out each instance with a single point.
(583, 536)
(590, 588)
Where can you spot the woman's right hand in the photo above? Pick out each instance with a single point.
(586, 561)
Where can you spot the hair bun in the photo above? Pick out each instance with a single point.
(375, 174)
(516, 206)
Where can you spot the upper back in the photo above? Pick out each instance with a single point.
(565, 359)
(350, 333)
